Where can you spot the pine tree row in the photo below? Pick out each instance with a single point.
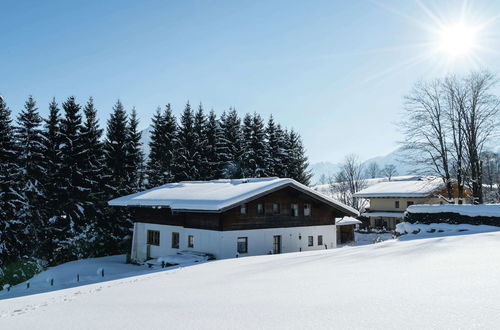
(57, 174)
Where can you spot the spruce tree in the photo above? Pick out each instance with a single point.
(11, 230)
(275, 149)
(212, 135)
(29, 140)
(72, 194)
(162, 149)
(230, 148)
(52, 159)
(254, 156)
(297, 164)
(201, 162)
(135, 156)
(116, 147)
(248, 153)
(186, 153)
(93, 153)
(116, 150)
(92, 233)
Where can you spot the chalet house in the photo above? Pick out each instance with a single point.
(231, 218)
(389, 200)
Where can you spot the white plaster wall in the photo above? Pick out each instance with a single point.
(223, 244)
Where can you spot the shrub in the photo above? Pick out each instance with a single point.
(19, 271)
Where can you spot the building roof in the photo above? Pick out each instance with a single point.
(348, 221)
(399, 215)
(218, 195)
(422, 187)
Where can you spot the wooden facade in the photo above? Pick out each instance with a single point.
(321, 213)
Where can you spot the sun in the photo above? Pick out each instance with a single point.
(457, 40)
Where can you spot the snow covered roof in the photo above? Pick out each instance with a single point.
(218, 195)
(347, 221)
(485, 210)
(422, 187)
(400, 215)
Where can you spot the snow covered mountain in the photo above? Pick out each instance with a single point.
(329, 169)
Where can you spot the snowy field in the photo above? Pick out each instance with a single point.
(443, 282)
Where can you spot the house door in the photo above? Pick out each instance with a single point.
(277, 245)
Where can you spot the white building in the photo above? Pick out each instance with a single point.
(389, 200)
(231, 218)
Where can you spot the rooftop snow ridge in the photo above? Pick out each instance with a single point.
(216, 195)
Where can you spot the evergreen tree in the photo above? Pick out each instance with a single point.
(297, 164)
(186, 153)
(212, 135)
(255, 156)
(276, 149)
(230, 147)
(29, 141)
(52, 159)
(116, 150)
(162, 148)
(93, 153)
(135, 156)
(10, 227)
(201, 162)
(72, 194)
(93, 232)
(248, 154)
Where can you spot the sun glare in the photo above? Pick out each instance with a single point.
(457, 40)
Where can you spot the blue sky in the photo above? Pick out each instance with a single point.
(336, 71)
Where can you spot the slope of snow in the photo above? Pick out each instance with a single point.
(87, 271)
(485, 210)
(447, 282)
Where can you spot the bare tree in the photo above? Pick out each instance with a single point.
(456, 100)
(480, 121)
(372, 170)
(447, 123)
(389, 171)
(348, 181)
(425, 130)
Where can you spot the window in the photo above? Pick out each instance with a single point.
(396, 204)
(242, 244)
(243, 209)
(175, 240)
(310, 241)
(276, 208)
(409, 203)
(260, 209)
(190, 241)
(153, 237)
(307, 210)
(294, 210)
(320, 239)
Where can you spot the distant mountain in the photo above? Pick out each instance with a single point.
(327, 169)
(395, 158)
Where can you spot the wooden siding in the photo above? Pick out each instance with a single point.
(232, 219)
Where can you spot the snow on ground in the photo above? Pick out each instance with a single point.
(445, 282)
(88, 271)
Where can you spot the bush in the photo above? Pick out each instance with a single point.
(19, 271)
(450, 218)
